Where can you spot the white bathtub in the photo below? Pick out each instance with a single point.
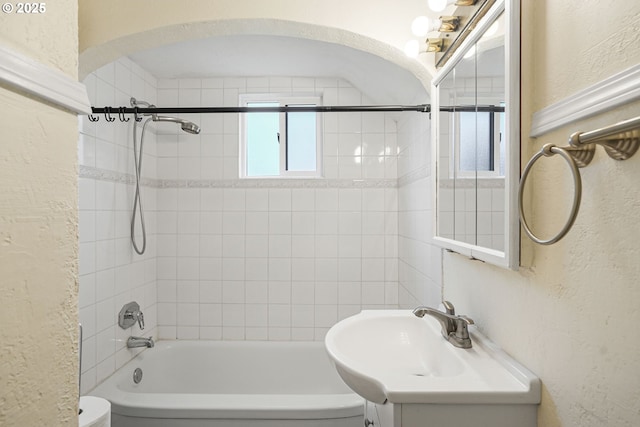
(223, 383)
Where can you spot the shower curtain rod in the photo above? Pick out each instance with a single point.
(472, 108)
(423, 108)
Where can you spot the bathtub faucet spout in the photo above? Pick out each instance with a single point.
(134, 342)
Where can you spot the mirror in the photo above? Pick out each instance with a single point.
(477, 141)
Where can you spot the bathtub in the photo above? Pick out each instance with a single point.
(231, 384)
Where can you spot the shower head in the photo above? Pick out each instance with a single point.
(136, 103)
(186, 125)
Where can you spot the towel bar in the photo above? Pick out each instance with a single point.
(620, 141)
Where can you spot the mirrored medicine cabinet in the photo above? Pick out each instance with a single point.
(476, 131)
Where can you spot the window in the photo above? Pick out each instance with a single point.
(280, 144)
(479, 144)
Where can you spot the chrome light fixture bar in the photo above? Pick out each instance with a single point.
(466, 30)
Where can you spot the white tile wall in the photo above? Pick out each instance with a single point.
(227, 261)
(356, 145)
(419, 269)
(110, 273)
(273, 262)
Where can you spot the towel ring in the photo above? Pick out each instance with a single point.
(549, 150)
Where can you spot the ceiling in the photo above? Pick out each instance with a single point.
(257, 56)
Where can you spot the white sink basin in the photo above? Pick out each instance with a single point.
(394, 356)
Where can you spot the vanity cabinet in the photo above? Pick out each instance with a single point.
(415, 378)
(449, 415)
(476, 134)
(381, 415)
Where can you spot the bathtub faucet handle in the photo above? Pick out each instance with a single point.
(129, 315)
(140, 318)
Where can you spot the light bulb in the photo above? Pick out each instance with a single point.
(412, 48)
(438, 5)
(421, 26)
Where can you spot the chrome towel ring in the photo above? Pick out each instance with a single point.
(620, 141)
(549, 150)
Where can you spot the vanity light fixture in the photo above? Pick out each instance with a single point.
(422, 25)
(435, 45)
(440, 5)
(413, 48)
(449, 24)
(482, 8)
(466, 2)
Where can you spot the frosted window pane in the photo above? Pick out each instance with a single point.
(301, 141)
(475, 143)
(263, 149)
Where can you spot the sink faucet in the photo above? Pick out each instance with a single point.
(134, 342)
(454, 328)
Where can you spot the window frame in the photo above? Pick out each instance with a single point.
(283, 100)
(494, 149)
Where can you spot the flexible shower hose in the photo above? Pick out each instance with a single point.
(137, 201)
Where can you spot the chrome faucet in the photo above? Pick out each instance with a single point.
(134, 342)
(454, 328)
(129, 315)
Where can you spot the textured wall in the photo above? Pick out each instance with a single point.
(565, 314)
(50, 37)
(38, 232)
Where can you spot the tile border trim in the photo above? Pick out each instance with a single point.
(126, 178)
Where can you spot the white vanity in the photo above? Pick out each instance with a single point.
(411, 376)
(423, 371)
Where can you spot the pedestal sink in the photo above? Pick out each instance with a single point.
(394, 356)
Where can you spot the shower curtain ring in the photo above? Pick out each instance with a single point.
(93, 118)
(138, 118)
(107, 114)
(121, 115)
